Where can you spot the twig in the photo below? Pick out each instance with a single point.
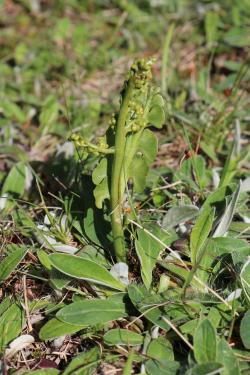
(26, 305)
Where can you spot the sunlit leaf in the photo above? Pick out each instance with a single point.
(11, 324)
(179, 214)
(84, 363)
(84, 269)
(120, 336)
(200, 232)
(92, 312)
(205, 346)
(55, 328)
(226, 356)
(10, 262)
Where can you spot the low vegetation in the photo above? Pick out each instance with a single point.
(124, 219)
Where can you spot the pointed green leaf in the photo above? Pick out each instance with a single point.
(99, 177)
(56, 328)
(150, 305)
(200, 232)
(11, 324)
(226, 356)
(228, 245)
(207, 368)
(156, 116)
(148, 250)
(10, 262)
(58, 279)
(92, 312)
(228, 214)
(14, 185)
(163, 367)
(245, 329)
(84, 269)
(120, 336)
(205, 346)
(179, 214)
(140, 153)
(84, 363)
(160, 349)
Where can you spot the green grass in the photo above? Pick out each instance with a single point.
(179, 304)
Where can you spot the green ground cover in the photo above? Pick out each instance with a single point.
(124, 187)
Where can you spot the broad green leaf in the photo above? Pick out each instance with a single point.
(91, 312)
(176, 269)
(156, 116)
(14, 184)
(44, 259)
(205, 346)
(245, 278)
(218, 197)
(101, 193)
(238, 228)
(120, 336)
(189, 327)
(58, 279)
(148, 250)
(99, 177)
(200, 232)
(56, 328)
(95, 254)
(206, 369)
(228, 245)
(160, 349)
(163, 367)
(140, 153)
(226, 356)
(245, 329)
(84, 269)
(100, 171)
(227, 217)
(150, 305)
(215, 316)
(10, 262)
(5, 304)
(84, 363)
(179, 214)
(11, 324)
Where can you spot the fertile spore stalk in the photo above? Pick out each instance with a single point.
(131, 149)
(140, 74)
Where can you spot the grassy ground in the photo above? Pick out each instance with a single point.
(186, 309)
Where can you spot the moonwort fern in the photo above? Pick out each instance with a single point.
(128, 148)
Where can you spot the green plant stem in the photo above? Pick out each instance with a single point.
(129, 364)
(116, 194)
